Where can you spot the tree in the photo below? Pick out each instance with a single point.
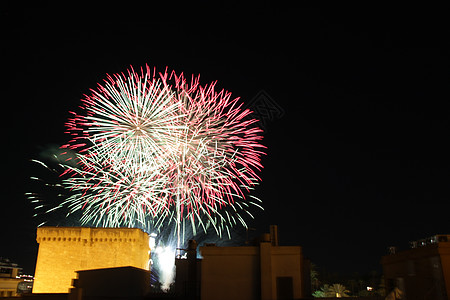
(318, 294)
(323, 292)
(337, 290)
(314, 278)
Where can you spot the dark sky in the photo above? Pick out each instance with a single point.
(359, 160)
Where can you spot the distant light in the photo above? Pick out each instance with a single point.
(369, 288)
(152, 242)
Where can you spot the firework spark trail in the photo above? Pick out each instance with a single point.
(154, 144)
(115, 194)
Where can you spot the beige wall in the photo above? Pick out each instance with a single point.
(230, 273)
(249, 272)
(64, 250)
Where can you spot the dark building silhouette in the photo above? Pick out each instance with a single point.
(111, 283)
(188, 274)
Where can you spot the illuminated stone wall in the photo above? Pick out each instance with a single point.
(64, 250)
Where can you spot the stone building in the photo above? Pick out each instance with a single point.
(65, 250)
(422, 272)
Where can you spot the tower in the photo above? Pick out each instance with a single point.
(64, 250)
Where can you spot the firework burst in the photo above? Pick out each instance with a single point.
(155, 147)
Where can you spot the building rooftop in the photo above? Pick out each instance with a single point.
(438, 238)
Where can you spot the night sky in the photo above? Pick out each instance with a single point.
(359, 159)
